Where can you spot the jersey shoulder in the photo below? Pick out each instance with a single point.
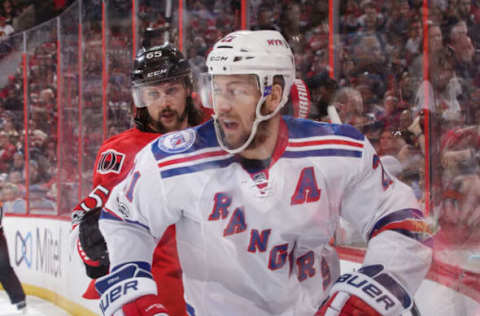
(185, 142)
(129, 140)
(305, 128)
(117, 152)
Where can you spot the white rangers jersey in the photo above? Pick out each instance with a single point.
(255, 241)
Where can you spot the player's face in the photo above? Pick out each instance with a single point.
(166, 104)
(235, 99)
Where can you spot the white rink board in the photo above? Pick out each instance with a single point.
(39, 253)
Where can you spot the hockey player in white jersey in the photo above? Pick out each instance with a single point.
(256, 197)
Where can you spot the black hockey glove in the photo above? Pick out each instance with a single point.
(91, 245)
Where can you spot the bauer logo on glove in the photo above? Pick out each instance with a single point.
(369, 291)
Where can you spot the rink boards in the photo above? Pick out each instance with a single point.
(41, 254)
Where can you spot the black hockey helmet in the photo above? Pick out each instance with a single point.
(155, 65)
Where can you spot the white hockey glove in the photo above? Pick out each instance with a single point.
(129, 290)
(371, 291)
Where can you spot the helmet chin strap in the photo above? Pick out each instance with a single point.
(219, 133)
(259, 117)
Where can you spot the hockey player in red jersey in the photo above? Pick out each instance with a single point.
(161, 87)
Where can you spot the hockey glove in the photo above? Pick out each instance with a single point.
(129, 288)
(370, 291)
(91, 245)
(147, 305)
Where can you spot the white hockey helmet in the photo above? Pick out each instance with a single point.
(262, 53)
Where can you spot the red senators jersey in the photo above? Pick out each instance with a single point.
(114, 160)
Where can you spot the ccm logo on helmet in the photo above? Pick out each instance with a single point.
(218, 58)
(156, 73)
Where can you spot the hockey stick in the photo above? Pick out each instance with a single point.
(333, 114)
(414, 310)
(152, 35)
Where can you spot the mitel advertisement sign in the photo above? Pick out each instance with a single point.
(39, 249)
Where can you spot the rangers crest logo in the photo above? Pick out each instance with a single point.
(177, 142)
(110, 161)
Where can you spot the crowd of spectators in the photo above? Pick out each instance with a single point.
(378, 86)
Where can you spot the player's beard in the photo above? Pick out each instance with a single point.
(177, 117)
(261, 135)
(259, 138)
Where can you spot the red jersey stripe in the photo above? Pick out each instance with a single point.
(191, 158)
(325, 142)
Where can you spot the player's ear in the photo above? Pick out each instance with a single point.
(273, 100)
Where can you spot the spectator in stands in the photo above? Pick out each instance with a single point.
(390, 143)
(371, 20)
(319, 12)
(318, 39)
(38, 152)
(7, 149)
(391, 110)
(12, 101)
(36, 175)
(465, 13)
(464, 10)
(322, 89)
(349, 22)
(9, 128)
(399, 21)
(463, 51)
(435, 46)
(319, 62)
(12, 200)
(16, 177)
(265, 19)
(5, 29)
(415, 39)
(291, 28)
(25, 18)
(8, 11)
(349, 104)
(443, 89)
(18, 162)
(369, 56)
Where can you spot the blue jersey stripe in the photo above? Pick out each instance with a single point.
(323, 153)
(400, 215)
(198, 167)
(106, 215)
(302, 128)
